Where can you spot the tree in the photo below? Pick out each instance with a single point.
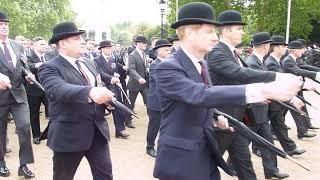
(266, 15)
(32, 18)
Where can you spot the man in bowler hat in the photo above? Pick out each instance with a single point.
(226, 68)
(138, 73)
(186, 98)
(276, 113)
(259, 111)
(107, 64)
(14, 100)
(77, 106)
(163, 50)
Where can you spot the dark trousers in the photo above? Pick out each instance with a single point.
(20, 113)
(238, 149)
(118, 120)
(269, 160)
(280, 129)
(153, 127)
(34, 105)
(300, 121)
(65, 164)
(133, 97)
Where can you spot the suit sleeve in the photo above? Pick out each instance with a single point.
(60, 90)
(173, 83)
(309, 67)
(132, 67)
(222, 65)
(290, 66)
(31, 63)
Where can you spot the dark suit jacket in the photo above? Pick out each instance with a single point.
(73, 119)
(17, 77)
(273, 65)
(289, 65)
(258, 111)
(118, 58)
(137, 70)
(225, 70)
(153, 99)
(32, 89)
(183, 151)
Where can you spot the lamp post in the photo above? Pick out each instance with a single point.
(162, 4)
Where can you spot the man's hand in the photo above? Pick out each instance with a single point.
(37, 65)
(297, 103)
(222, 123)
(30, 77)
(5, 82)
(309, 84)
(283, 89)
(100, 95)
(115, 80)
(142, 81)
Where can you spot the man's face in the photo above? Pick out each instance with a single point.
(4, 29)
(235, 34)
(40, 46)
(142, 46)
(72, 46)
(118, 47)
(298, 52)
(163, 52)
(153, 42)
(90, 45)
(205, 38)
(282, 50)
(107, 51)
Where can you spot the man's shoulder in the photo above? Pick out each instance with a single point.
(170, 62)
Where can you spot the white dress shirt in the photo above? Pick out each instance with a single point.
(12, 53)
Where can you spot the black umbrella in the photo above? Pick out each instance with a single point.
(248, 133)
(307, 102)
(33, 79)
(290, 107)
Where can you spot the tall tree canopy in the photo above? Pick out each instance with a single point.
(32, 18)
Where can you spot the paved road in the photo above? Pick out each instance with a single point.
(130, 161)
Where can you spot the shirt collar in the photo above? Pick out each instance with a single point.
(6, 41)
(71, 60)
(192, 57)
(231, 47)
(160, 58)
(258, 56)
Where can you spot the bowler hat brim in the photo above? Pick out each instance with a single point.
(162, 45)
(103, 47)
(226, 23)
(189, 21)
(279, 43)
(60, 36)
(263, 42)
(4, 20)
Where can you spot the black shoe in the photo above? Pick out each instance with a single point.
(277, 175)
(122, 135)
(24, 171)
(313, 127)
(129, 125)
(306, 135)
(257, 152)
(36, 140)
(4, 171)
(152, 152)
(8, 150)
(296, 151)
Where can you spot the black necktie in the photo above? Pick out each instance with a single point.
(8, 57)
(204, 72)
(83, 73)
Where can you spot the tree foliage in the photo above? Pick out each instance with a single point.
(265, 15)
(32, 18)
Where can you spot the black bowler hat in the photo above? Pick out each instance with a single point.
(261, 38)
(3, 17)
(195, 13)
(230, 17)
(106, 43)
(174, 38)
(303, 41)
(140, 38)
(278, 40)
(162, 43)
(63, 31)
(295, 45)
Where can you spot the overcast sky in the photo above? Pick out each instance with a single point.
(114, 11)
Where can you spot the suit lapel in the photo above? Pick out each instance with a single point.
(137, 55)
(190, 68)
(3, 59)
(73, 69)
(228, 50)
